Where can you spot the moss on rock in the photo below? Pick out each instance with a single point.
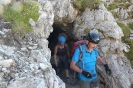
(130, 25)
(127, 40)
(19, 14)
(125, 29)
(86, 31)
(112, 6)
(82, 4)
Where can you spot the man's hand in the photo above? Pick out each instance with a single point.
(108, 71)
(86, 74)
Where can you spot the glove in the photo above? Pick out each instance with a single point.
(108, 71)
(86, 74)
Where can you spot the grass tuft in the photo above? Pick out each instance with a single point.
(19, 14)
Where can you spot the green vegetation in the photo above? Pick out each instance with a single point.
(81, 22)
(1, 10)
(126, 29)
(130, 25)
(19, 14)
(4, 54)
(130, 53)
(126, 5)
(116, 14)
(130, 42)
(112, 6)
(118, 4)
(82, 4)
(78, 4)
(86, 31)
(130, 15)
(127, 40)
(131, 61)
(119, 1)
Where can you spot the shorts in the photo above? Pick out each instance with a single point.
(89, 84)
(63, 62)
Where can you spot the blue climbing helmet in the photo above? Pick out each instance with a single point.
(62, 39)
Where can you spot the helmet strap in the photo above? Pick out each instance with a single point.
(88, 45)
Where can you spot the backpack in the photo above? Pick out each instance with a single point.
(77, 44)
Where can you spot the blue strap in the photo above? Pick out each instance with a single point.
(80, 56)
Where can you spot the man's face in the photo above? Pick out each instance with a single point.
(91, 45)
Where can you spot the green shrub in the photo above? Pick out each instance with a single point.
(124, 1)
(131, 63)
(125, 29)
(119, 1)
(86, 31)
(130, 25)
(116, 14)
(130, 53)
(126, 5)
(112, 6)
(79, 4)
(1, 10)
(127, 40)
(81, 22)
(19, 14)
(130, 13)
(82, 4)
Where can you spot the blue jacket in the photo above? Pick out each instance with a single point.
(88, 62)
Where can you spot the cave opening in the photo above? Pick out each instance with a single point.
(53, 41)
(53, 38)
(57, 30)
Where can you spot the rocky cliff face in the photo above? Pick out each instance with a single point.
(110, 48)
(32, 68)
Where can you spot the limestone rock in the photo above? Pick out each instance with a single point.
(32, 68)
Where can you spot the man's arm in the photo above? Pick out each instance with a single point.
(101, 60)
(75, 67)
(108, 71)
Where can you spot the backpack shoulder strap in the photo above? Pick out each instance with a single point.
(80, 56)
(81, 53)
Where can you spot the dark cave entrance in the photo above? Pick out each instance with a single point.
(57, 30)
(53, 41)
(53, 38)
